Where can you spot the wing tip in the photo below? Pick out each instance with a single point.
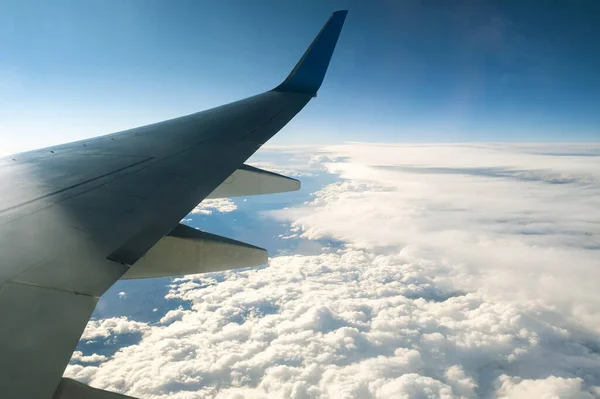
(308, 74)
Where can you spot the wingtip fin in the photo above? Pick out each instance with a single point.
(308, 74)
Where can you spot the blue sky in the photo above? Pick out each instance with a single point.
(403, 71)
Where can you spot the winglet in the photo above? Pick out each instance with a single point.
(308, 74)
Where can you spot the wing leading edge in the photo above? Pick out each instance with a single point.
(77, 217)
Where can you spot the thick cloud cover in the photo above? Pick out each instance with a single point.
(465, 271)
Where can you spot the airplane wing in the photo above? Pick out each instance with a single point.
(76, 218)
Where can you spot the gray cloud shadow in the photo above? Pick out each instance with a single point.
(542, 176)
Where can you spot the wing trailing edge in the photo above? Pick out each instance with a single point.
(248, 180)
(186, 250)
(71, 389)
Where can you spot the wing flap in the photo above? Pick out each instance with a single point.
(248, 180)
(186, 250)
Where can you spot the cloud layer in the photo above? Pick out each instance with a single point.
(466, 271)
(506, 220)
(208, 206)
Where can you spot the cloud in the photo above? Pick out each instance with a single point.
(221, 205)
(501, 220)
(466, 271)
(112, 326)
(78, 357)
(551, 387)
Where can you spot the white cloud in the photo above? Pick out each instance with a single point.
(551, 387)
(208, 206)
(467, 271)
(500, 219)
(78, 357)
(104, 328)
(172, 315)
(122, 295)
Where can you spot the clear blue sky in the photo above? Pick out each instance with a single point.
(403, 70)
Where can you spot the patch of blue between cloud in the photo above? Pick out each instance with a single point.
(143, 297)
(108, 346)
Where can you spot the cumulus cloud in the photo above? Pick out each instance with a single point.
(78, 357)
(208, 206)
(466, 271)
(104, 328)
(551, 387)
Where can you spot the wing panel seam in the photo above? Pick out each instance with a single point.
(62, 190)
(47, 287)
